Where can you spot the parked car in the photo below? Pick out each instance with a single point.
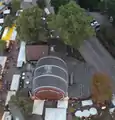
(95, 25)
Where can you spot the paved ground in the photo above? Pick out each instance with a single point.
(97, 58)
(96, 55)
(9, 72)
(100, 18)
(82, 73)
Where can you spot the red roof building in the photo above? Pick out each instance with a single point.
(34, 52)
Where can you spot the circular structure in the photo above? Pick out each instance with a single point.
(50, 79)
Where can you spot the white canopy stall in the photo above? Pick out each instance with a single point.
(1, 20)
(87, 103)
(2, 62)
(6, 12)
(86, 113)
(55, 114)
(7, 116)
(93, 111)
(79, 113)
(21, 56)
(63, 103)
(9, 95)
(111, 110)
(15, 83)
(38, 107)
(113, 100)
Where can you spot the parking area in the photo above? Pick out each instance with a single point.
(82, 76)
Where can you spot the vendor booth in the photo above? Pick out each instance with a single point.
(2, 65)
(21, 56)
(9, 35)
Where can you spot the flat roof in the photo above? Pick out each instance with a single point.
(55, 114)
(38, 107)
(9, 95)
(9, 33)
(1, 20)
(6, 11)
(34, 52)
(15, 82)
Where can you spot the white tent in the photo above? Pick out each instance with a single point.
(79, 113)
(87, 102)
(28, 1)
(111, 110)
(38, 107)
(21, 56)
(2, 62)
(15, 83)
(6, 11)
(9, 95)
(93, 111)
(62, 104)
(55, 114)
(6, 116)
(1, 20)
(86, 113)
(113, 100)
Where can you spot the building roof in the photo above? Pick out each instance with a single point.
(52, 60)
(51, 73)
(34, 52)
(52, 113)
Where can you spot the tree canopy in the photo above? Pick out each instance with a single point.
(72, 23)
(23, 102)
(30, 26)
(57, 3)
(8, 21)
(101, 88)
(41, 3)
(15, 4)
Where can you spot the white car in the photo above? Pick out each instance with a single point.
(95, 25)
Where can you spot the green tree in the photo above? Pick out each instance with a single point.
(15, 4)
(57, 3)
(41, 3)
(30, 26)
(72, 23)
(9, 20)
(23, 102)
(2, 46)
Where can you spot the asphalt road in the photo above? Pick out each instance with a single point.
(98, 57)
(100, 18)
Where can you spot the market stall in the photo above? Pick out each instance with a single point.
(21, 56)
(2, 63)
(9, 35)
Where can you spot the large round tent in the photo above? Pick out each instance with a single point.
(50, 80)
